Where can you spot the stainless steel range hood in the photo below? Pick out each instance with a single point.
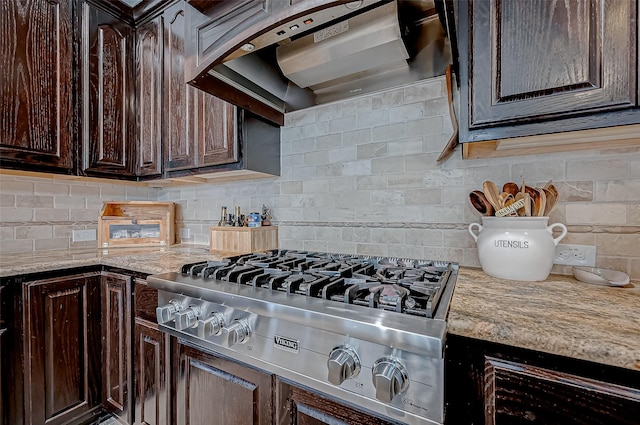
(330, 52)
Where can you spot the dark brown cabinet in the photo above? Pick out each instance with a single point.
(149, 55)
(200, 129)
(108, 94)
(116, 344)
(62, 369)
(493, 384)
(36, 88)
(151, 376)
(542, 67)
(151, 361)
(209, 387)
(299, 406)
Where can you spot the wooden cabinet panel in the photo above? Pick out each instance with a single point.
(151, 375)
(36, 88)
(541, 59)
(200, 129)
(178, 138)
(149, 100)
(518, 393)
(216, 130)
(495, 384)
(212, 387)
(108, 94)
(116, 334)
(297, 406)
(61, 348)
(145, 301)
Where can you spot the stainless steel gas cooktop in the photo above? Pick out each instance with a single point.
(366, 330)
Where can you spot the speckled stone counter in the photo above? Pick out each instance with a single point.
(560, 315)
(144, 260)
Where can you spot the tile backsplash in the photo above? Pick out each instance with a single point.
(360, 176)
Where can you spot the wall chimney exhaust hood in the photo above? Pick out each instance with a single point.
(278, 56)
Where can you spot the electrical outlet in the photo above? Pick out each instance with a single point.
(184, 233)
(84, 235)
(575, 255)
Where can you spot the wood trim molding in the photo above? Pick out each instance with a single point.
(600, 138)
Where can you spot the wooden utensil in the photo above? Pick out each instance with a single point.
(492, 194)
(540, 202)
(480, 203)
(511, 187)
(551, 201)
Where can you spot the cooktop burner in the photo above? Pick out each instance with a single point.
(400, 285)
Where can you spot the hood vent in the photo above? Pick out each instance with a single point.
(311, 57)
(344, 53)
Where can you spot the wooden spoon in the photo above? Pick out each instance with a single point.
(492, 194)
(510, 187)
(521, 211)
(551, 201)
(540, 202)
(480, 203)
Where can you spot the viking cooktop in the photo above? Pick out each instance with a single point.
(366, 330)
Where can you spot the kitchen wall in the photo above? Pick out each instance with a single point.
(360, 176)
(39, 213)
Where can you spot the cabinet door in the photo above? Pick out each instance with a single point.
(200, 129)
(108, 94)
(516, 393)
(297, 406)
(116, 349)
(151, 376)
(211, 389)
(149, 100)
(36, 88)
(544, 59)
(61, 348)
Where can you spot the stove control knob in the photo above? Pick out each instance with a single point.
(167, 312)
(187, 318)
(210, 326)
(238, 332)
(343, 364)
(389, 378)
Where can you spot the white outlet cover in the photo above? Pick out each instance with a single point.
(84, 235)
(575, 255)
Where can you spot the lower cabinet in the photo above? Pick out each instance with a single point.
(210, 389)
(150, 353)
(116, 345)
(297, 406)
(61, 348)
(493, 384)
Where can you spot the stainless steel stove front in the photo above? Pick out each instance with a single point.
(382, 361)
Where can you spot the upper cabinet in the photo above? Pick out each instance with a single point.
(36, 88)
(537, 67)
(108, 87)
(148, 59)
(200, 128)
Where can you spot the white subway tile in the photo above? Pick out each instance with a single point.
(388, 132)
(356, 168)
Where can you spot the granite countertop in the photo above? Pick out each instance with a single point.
(559, 315)
(144, 260)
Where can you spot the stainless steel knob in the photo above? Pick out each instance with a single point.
(343, 364)
(389, 378)
(167, 312)
(210, 326)
(238, 332)
(187, 318)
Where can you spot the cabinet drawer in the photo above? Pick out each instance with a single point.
(146, 300)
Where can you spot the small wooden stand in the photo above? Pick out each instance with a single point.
(136, 224)
(243, 239)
